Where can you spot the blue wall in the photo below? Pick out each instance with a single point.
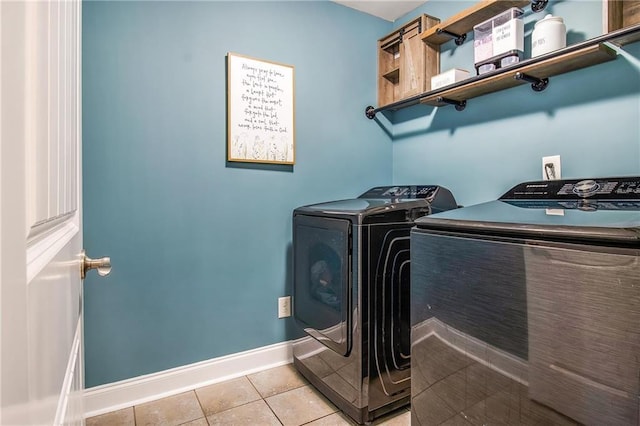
(590, 117)
(200, 248)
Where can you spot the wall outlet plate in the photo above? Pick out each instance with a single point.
(284, 307)
(551, 168)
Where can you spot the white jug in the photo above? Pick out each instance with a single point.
(549, 34)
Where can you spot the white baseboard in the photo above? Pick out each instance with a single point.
(126, 393)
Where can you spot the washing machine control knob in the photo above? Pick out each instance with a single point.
(586, 188)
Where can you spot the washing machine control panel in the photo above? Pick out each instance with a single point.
(402, 192)
(622, 188)
(621, 193)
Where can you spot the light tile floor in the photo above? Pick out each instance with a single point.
(279, 396)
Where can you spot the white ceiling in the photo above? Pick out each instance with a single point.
(385, 9)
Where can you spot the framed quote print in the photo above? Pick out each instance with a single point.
(260, 111)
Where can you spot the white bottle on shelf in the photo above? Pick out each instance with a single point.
(549, 34)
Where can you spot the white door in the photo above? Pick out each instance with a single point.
(40, 213)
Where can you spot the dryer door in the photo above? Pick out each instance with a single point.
(321, 285)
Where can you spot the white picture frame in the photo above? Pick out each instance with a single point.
(260, 111)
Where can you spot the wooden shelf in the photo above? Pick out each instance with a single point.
(577, 56)
(464, 21)
(504, 78)
(393, 75)
(405, 63)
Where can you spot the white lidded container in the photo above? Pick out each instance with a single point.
(498, 36)
(549, 34)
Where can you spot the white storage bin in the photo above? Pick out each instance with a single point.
(446, 78)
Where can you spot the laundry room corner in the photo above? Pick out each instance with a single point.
(201, 248)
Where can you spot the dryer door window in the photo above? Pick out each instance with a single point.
(321, 279)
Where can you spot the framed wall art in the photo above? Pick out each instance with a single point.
(260, 111)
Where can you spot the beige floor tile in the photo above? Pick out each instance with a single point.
(198, 422)
(171, 411)
(277, 380)
(226, 395)
(300, 406)
(123, 417)
(253, 413)
(335, 419)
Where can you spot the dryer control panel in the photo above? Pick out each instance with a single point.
(402, 191)
(437, 197)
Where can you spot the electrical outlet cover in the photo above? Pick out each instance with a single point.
(284, 307)
(551, 168)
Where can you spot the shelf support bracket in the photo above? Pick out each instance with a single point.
(460, 105)
(537, 84)
(538, 5)
(459, 38)
(370, 112)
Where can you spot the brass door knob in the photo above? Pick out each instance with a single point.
(102, 265)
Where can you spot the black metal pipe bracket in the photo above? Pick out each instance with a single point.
(537, 84)
(370, 112)
(459, 38)
(460, 105)
(538, 5)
